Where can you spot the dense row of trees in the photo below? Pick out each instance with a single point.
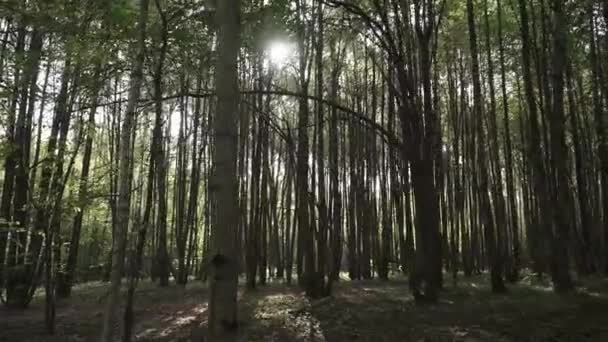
(296, 139)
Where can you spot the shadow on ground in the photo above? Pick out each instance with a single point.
(376, 311)
(358, 311)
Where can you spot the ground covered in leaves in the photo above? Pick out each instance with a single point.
(358, 311)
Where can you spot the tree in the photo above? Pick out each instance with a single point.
(483, 191)
(111, 318)
(562, 206)
(224, 262)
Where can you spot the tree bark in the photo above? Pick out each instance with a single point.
(161, 165)
(562, 207)
(224, 262)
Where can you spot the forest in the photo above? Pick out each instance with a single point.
(303, 170)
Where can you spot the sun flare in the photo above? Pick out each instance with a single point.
(279, 52)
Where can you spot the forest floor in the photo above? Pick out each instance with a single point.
(371, 310)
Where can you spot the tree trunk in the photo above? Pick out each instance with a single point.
(562, 215)
(512, 272)
(66, 280)
(483, 190)
(224, 262)
(160, 162)
(111, 318)
(534, 150)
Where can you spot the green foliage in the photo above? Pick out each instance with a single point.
(121, 13)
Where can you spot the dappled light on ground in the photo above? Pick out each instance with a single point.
(277, 313)
(357, 311)
(175, 322)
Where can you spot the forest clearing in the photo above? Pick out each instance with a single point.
(303, 170)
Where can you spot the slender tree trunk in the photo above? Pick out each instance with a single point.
(111, 318)
(10, 162)
(194, 186)
(22, 280)
(160, 162)
(305, 228)
(498, 199)
(136, 261)
(513, 270)
(534, 150)
(336, 199)
(66, 281)
(483, 190)
(600, 128)
(322, 262)
(584, 250)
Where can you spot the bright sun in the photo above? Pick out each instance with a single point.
(279, 52)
